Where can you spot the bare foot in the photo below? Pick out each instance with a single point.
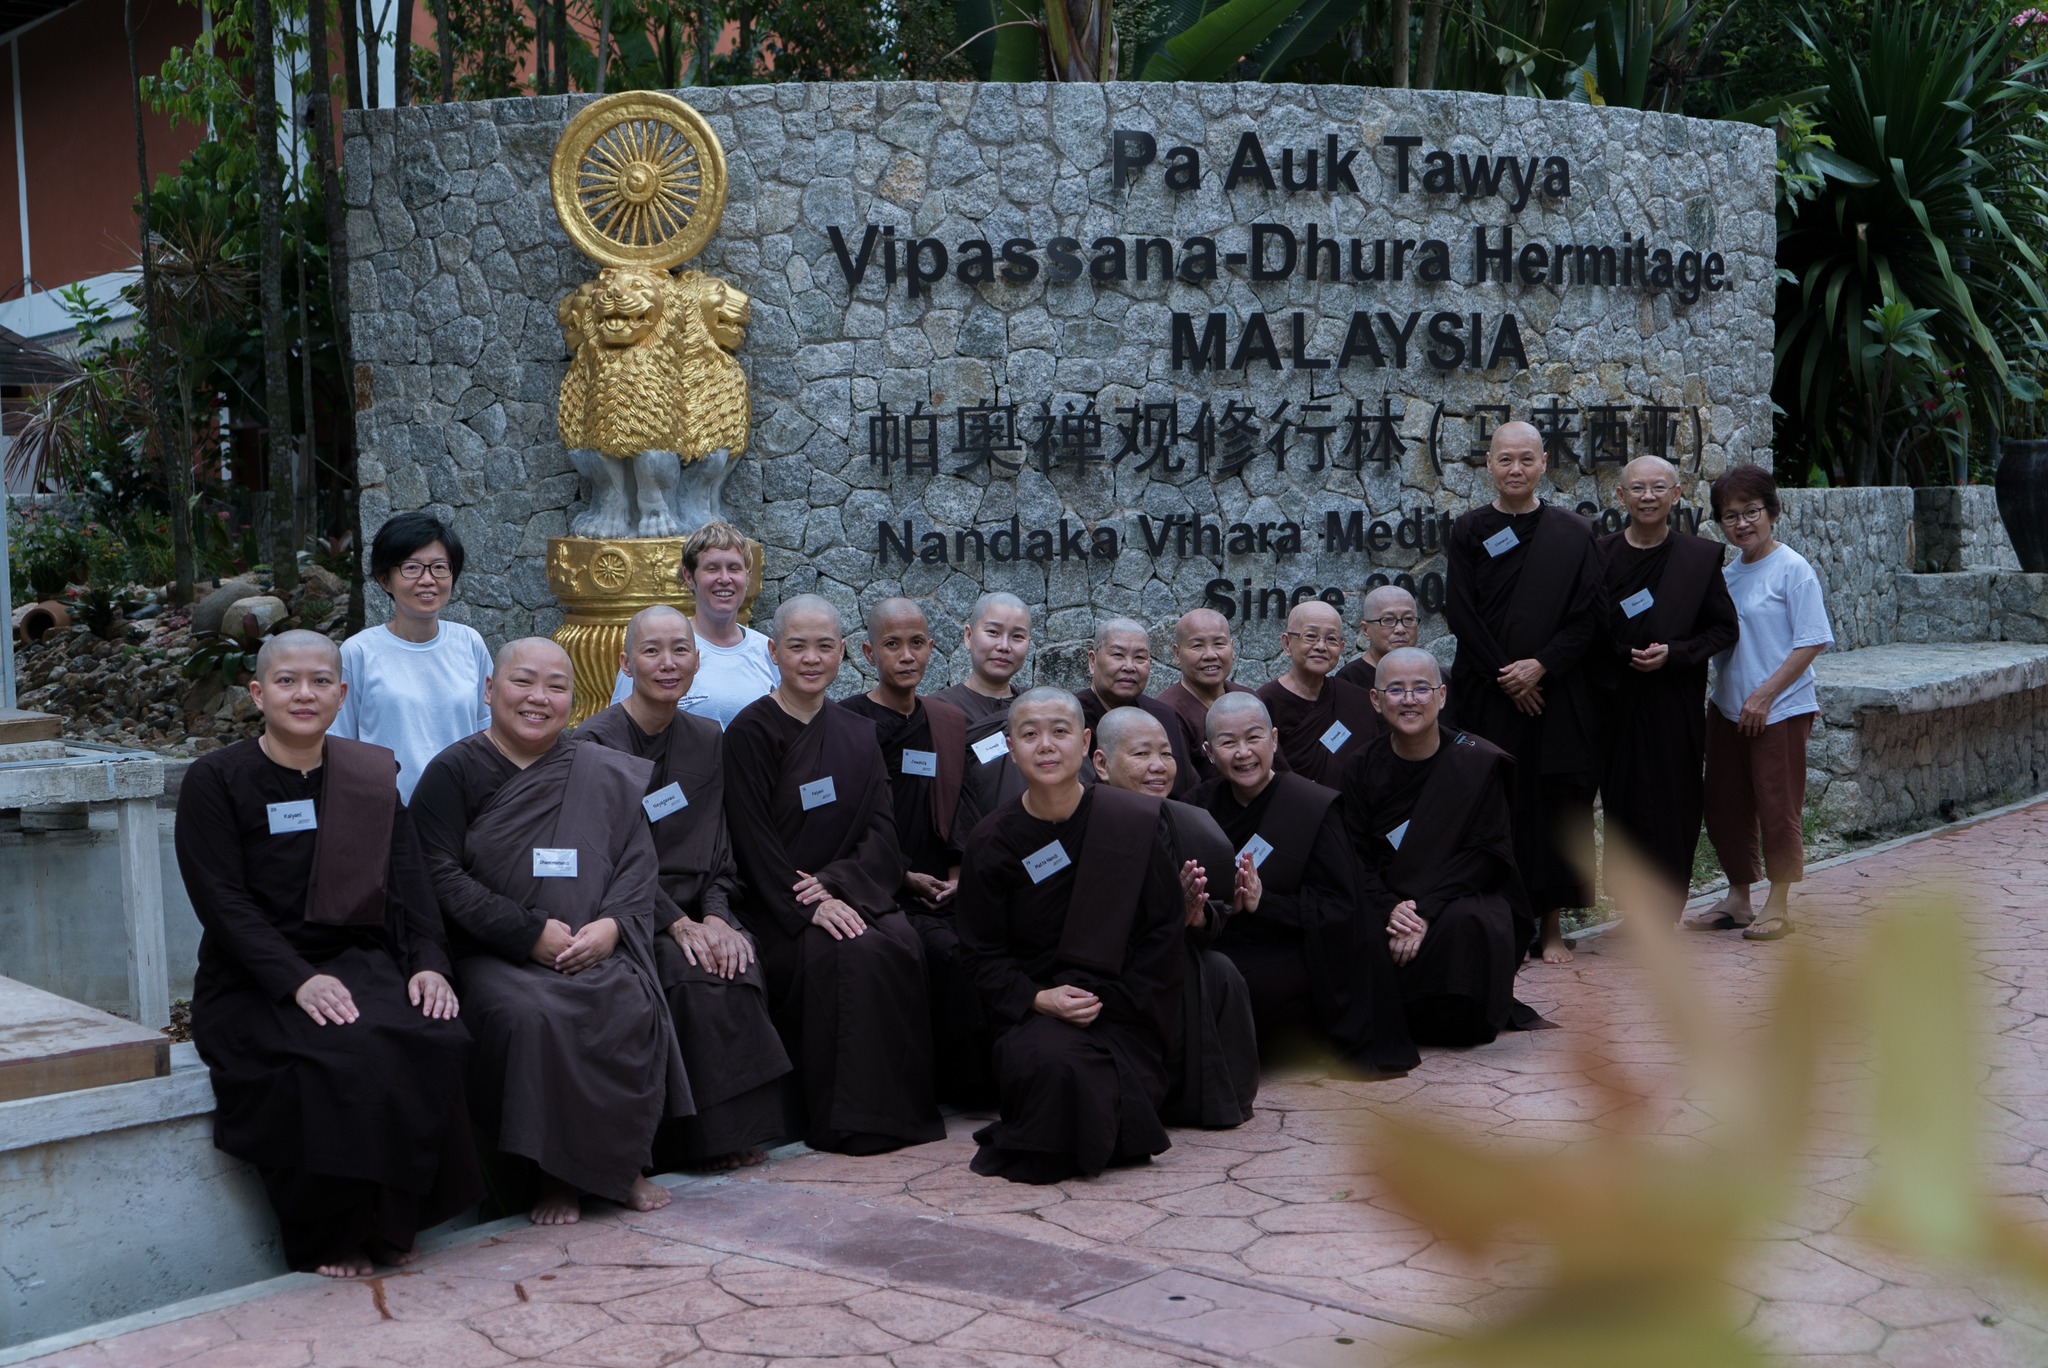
(647, 1196)
(558, 1204)
(752, 1157)
(356, 1265)
(1555, 951)
(726, 1163)
(392, 1255)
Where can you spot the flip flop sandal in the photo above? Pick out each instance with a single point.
(1782, 929)
(1724, 922)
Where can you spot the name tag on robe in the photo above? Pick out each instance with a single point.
(1394, 836)
(925, 763)
(817, 793)
(1043, 863)
(1335, 737)
(551, 863)
(992, 747)
(1258, 847)
(286, 818)
(1637, 603)
(663, 801)
(1501, 542)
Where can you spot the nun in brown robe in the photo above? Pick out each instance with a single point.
(1072, 928)
(1438, 832)
(1213, 1066)
(1671, 594)
(357, 1130)
(808, 805)
(1314, 957)
(1320, 720)
(731, 1051)
(572, 1071)
(1525, 587)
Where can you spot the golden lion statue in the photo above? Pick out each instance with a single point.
(652, 386)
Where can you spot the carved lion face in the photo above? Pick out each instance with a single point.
(626, 308)
(726, 312)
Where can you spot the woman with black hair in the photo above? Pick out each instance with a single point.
(416, 683)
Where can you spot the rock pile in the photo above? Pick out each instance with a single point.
(141, 686)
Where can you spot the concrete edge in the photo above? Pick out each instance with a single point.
(187, 1090)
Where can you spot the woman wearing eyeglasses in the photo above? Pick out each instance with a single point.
(1762, 708)
(415, 684)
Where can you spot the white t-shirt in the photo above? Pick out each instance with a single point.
(728, 678)
(1778, 602)
(416, 697)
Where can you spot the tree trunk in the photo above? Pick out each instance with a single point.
(280, 547)
(1404, 11)
(337, 294)
(604, 41)
(444, 47)
(401, 56)
(707, 39)
(1432, 40)
(368, 25)
(172, 447)
(351, 58)
(305, 479)
(561, 47)
(542, 81)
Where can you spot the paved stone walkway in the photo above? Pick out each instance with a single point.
(1273, 1242)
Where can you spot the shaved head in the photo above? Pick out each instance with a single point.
(1314, 613)
(1409, 660)
(1116, 627)
(1387, 596)
(1649, 467)
(1045, 696)
(1515, 432)
(660, 612)
(521, 646)
(1120, 727)
(1239, 708)
(997, 599)
(292, 642)
(805, 605)
(1204, 621)
(893, 607)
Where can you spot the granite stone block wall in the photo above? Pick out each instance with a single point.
(1892, 771)
(459, 262)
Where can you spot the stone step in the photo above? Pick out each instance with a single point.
(52, 1045)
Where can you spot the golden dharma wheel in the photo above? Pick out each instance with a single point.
(639, 180)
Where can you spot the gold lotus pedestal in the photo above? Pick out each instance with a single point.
(601, 584)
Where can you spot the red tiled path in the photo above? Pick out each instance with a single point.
(1271, 1242)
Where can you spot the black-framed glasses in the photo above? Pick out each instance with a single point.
(412, 570)
(1401, 693)
(1392, 621)
(1737, 517)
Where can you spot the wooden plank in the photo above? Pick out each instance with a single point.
(51, 1045)
(17, 725)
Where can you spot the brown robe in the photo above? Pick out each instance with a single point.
(1184, 777)
(358, 1131)
(1076, 1099)
(1302, 726)
(1538, 600)
(985, 785)
(1313, 954)
(571, 1071)
(1194, 719)
(928, 811)
(1652, 783)
(852, 1012)
(1359, 671)
(1456, 860)
(730, 1046)
(1213, 1075)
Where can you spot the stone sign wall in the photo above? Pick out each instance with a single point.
(1117, 349)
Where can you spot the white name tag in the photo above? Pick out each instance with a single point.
(1335, 737)
(286, 818)
(1501, 542)
(1394, 836)
(925, 763)
(1258, 847)
(817, 793)
(992, 747)
(554, 864)
(1045, 862)
(1637, 603)
(663, 801)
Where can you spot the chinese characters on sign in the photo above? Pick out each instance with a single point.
(1220, 440)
